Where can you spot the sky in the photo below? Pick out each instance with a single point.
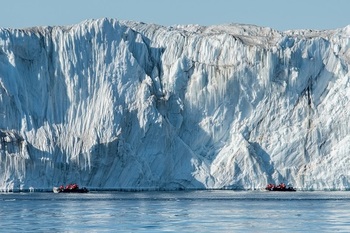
(278, 14)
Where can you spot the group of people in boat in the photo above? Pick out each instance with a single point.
(280, 187)
(69, 187)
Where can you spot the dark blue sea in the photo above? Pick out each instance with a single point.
(180, 211)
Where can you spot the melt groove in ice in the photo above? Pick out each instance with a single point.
(128, 105)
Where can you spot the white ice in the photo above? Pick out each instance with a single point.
(121, 104)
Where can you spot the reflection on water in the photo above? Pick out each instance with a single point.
(203, 211)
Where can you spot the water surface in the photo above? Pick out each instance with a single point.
(182, 211)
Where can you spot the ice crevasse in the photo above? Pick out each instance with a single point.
(117, 104)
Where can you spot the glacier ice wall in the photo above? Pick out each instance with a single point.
(127, 105)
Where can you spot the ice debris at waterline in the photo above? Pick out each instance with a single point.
(120, 104)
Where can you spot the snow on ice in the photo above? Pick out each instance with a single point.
(128, 105)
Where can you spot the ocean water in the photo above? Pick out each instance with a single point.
(180, 211)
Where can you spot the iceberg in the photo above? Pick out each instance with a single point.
(114, 104)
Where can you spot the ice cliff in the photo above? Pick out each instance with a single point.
(119, 104)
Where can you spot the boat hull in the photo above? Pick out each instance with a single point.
(79, 190)
(281, 189)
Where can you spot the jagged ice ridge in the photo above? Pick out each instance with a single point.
(127, 105)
